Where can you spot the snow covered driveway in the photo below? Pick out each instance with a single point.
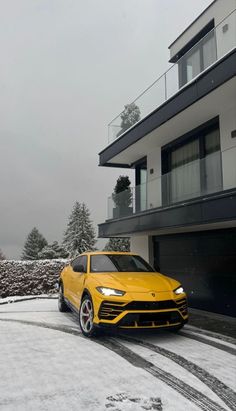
(46, 364)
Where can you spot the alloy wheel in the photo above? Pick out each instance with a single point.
(86, 315)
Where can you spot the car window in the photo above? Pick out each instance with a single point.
(81, 260)
(101, 263)
(121, 263)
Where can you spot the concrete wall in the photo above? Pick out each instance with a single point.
(218, 10)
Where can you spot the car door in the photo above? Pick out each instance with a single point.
(66, 278)
(77, 279)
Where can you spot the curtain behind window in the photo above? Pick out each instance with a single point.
(185, 174)
(212, 162)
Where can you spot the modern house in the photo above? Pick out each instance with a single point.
(182, 146)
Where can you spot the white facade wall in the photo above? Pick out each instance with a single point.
(217, 11)
(140, 245)
(226, 34)
(228, 146)
(154, 178)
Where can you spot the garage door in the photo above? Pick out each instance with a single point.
(205, 263)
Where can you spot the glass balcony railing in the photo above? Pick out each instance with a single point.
(216, 172)
(211, 48)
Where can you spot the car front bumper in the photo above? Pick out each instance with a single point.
(143, 314)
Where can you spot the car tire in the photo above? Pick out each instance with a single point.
(86, 315)
(62, 306)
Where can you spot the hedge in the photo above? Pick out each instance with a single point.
(29, 277)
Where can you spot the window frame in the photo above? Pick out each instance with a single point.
(182, 63)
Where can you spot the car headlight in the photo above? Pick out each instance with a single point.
(179, 290)
(110, 291)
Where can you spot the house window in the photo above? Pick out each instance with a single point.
(192, 65)
(191, 166)
(197, 59)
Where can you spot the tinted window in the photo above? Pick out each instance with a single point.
(121, 263)
(99, 263)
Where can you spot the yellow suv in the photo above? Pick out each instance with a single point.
(118, 289)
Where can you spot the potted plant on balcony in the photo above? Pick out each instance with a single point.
(129, 116)
(122, 197)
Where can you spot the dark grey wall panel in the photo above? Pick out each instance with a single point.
(204, 210)
(205, 263)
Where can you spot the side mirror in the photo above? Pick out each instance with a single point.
(78, 268)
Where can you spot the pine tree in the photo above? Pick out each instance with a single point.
(53, 251)
(79, 235)
(117, 244)
(35, 242)
(2, 256)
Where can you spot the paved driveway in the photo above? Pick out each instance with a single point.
(46, 364)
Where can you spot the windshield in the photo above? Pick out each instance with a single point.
(121, 263)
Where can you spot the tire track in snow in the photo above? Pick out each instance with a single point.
(222, 337)
(224, 392)
(204, 340)
(28, 299)
(190, 393)
(25, 312)
(63, 328)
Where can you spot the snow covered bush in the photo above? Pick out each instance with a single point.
(29, 277)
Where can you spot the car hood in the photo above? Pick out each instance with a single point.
(135, 282)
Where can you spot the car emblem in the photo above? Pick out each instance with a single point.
(153, 294)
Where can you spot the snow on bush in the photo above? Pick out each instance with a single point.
(29, 277)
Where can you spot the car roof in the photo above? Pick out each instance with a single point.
(108, 252)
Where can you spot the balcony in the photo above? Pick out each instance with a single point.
(198, 178)
(216, 44)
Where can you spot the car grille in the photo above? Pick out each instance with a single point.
(157, 319)
(182, 306)
(109, 310)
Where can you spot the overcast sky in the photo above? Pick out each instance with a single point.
(67, 67)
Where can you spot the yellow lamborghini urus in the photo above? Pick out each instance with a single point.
(118, 289)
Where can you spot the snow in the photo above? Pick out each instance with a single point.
(50, 369)
(175, 369)
(18, 298)
(218, 363)
(212, 336)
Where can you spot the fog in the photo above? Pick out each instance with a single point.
(67, 68)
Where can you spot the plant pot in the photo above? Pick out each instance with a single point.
(122, 211)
